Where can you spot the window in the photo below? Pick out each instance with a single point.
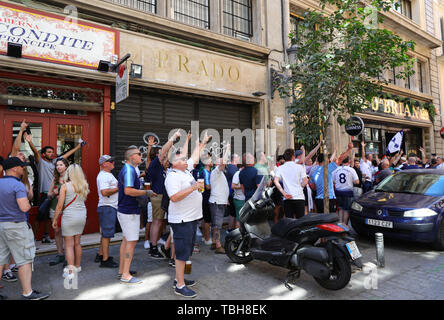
(391, 76)
(420, 76)
(193, 12)
(404, 7)
(238, 21)
(141, 5)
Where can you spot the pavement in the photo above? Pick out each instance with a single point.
(412, 272)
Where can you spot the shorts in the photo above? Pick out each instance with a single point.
(217, 214)
(238, 204)
(344, 203)
(107, 218)
(184, 236)
(158, 213)
(294, 208)
(16, 239)
(130, 224)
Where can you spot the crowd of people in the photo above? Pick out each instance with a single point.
(175, 198)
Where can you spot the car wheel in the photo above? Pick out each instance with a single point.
(439, 242)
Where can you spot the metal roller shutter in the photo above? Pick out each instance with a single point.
(146, 111)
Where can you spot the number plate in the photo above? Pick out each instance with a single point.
(379, 223)
(353, 250)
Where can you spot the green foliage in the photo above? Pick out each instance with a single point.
(337, 64)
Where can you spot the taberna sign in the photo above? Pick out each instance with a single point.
(52, 38)
(354, 126)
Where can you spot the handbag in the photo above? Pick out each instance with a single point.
(59, 220)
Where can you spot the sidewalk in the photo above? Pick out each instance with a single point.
(87, 241)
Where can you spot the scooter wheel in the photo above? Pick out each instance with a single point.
(230, 249)
(339, 277)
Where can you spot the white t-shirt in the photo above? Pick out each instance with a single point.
(189, 208)
(237, 193)
(106, 180)
(219, 187)
(344, 177)
(366, 168)
(291, 176)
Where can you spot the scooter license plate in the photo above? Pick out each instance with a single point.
(353, 250)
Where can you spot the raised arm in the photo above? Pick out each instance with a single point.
(167, 146)
(71, 152)
(37, 156)
(18, 140)
(423, 154)
(151, 143)
(312, 152)
(345, 154)
(363, 157)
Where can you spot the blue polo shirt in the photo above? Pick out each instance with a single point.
(11, 189)
(156, 176)
(128, 178)
(317, 177)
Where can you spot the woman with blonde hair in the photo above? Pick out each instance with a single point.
(71, 202)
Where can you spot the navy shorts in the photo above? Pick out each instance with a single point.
(184, 236)
(344, 203)
(107, 218)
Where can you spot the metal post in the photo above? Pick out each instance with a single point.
(380, 250)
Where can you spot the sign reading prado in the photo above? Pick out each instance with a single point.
(48, 37)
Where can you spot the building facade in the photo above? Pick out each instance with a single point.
(401, 105)
(204, 62)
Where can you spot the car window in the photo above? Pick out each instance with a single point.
(417, 183)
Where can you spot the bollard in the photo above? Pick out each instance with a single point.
(380, 250)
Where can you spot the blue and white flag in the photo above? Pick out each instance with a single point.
(395, 144)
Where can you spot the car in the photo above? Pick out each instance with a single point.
(408, 205)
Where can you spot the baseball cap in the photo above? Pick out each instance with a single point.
(297, 153)
(105, 158)
(13, 162)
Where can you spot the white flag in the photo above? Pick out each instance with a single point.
(395, 144)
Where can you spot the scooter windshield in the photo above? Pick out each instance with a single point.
(260, 189)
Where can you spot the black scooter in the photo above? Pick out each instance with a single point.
(314, 243)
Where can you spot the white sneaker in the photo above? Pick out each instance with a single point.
(146, 244)
(208, 243)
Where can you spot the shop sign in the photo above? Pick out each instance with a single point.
(398, 109)
(48, 37)
(122, 83)
(354, 126)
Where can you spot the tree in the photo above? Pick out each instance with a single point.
(340, 55)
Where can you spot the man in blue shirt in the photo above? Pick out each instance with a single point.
(317, 180)
(16, 236)
(128, 211)
(249, 177)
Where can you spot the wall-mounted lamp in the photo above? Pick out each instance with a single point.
(14, 50)
(136, 71)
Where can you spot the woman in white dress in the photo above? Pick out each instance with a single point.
(71, 202)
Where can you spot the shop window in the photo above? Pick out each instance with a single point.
(373, 141)
(238, 18)
(404, 7)
(140, 5)
(68, 136)
(192, 12)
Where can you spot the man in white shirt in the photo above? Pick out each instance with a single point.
(294, 179)
(366, 169)
(218, 201)
(344, 178)
(107, 209)
(184, 210)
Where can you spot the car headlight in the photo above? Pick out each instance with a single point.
(356, 206)
(420, 213)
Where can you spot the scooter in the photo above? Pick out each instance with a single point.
(315, 243)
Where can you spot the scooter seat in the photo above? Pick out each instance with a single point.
(284, 226)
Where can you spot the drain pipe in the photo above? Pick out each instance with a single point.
(380, 250)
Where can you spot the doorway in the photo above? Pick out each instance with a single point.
(62, 132)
